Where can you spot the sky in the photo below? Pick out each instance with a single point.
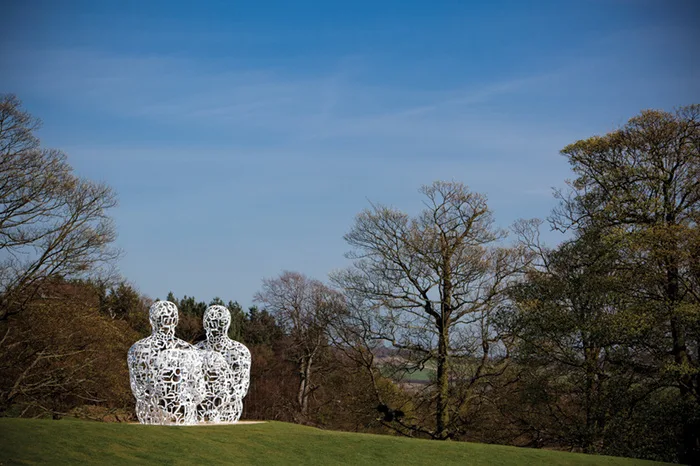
(242, 138)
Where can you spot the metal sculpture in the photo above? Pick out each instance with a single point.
(165, 372)
(176, 383)
(217, 320)
(218, 390)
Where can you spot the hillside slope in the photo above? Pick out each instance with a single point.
(28, 441)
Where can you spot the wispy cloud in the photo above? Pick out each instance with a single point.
(302, 133)
(287, 107)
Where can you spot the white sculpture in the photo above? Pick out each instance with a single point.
(218, 390)
(177, 383)
(165, 372)
(217, 320)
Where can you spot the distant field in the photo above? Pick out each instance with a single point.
(424, 375)
(402, 375)
(28, 441)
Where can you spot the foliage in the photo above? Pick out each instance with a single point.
(575, 323)
(52, 223)
(305, 307)
(607, 324)
(429, 286)
(61, 353)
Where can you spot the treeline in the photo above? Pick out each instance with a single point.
(64, 355)
(297, 374)
(440, 328)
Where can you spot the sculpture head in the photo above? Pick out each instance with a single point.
(217, 320)
(163, 317)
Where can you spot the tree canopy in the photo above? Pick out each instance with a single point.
(52, 222)
(433, 281)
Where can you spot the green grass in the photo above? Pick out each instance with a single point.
(417, 375)
(405, 375)
(29, 441)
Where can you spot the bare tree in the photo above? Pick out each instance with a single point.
(52, 223)
(431, 284)
(305, 307)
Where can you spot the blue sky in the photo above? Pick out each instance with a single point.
(243, 137)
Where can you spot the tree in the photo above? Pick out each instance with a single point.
(305, 307)
(433, 283)
(171, 297)
(640, 186)
(124, 302)
(64, 354)
(261, 328)
(52, 223)
(238, 319)
(189, 305)
(577, 332)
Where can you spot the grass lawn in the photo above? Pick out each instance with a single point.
(402, 375)
(29, 441)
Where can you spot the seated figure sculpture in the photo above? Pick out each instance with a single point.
(219, 389)
(219, 406)
(165, 372)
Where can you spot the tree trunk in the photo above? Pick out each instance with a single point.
(690, 452)
(442, 414)
(304, 382)
(594, 420)
(679, 349)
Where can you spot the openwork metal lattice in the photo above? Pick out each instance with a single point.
(176, 383)
(217, 320)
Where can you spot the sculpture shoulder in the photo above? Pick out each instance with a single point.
(142, 345)
(237, 350)
(212, 357)
(182, 344)
(224, 346)
(152, 344)
(202, 345)
(240, 347)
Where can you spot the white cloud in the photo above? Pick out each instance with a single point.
(286, 107)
